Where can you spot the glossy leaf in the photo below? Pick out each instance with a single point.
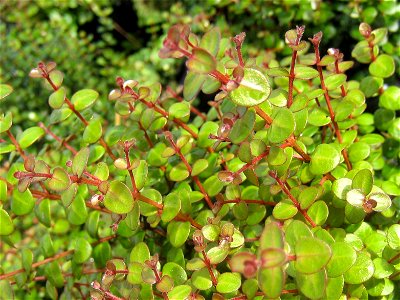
(7, 226)
(80, 161)
(201, 61)
(361, 270)
(178, 232)
(29, 136)
(311, 255)
(228, 283)
(312, 285)
(254, 89)
(5, 90)
(382, 67)
(118, 198)
(60, 180)
(363, 181)
(56, 99)
(83, 250)
(324, 159)
(176, 272)
(343, 257)
(93, 131)
(22, 203)
(271, 281)
(282, 126)
(84, 99)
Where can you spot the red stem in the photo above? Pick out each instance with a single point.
(210, 270)
(292, 198)
(189, 168)
(328, 103)
(16, 144)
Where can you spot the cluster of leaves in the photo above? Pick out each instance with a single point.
(90, 42)
(285, 188)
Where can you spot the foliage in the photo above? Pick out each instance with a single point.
(286, 188)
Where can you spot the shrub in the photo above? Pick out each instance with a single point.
(285, 188)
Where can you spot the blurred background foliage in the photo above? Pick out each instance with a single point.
(93, 41)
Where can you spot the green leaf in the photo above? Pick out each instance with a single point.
(254, 89)
(180, 110)
(389, 98)
(358, 151)
(42, 212)
(92, 224)
(5, 122)
(201, 279)
(211, 40)
(84, 98)
(201, 61)
(69, 194)
(312, 285)
(271, 281)
(27, 259)
(83, 250)
(199, 166)
(319, 117)
(361, 270)
(179, 172)
(180, 292)
(278, 72)
(192, 85)
(56, 99)
(5, 90)
(324, 159)
(334, 81)
(284, 210)
(212, 186)
(218, 254)
(211, 232)
(341, 187)
(140, 253)
(276, 156)
(93, 131)
(77, 211)
(363, 181)
(272, 257)
(242, 127)
(54, 275)
(165, 284)
(29, 136)
(282, 126)
(393, 236)
(382, 200)
(118, 198)
(172, 206)
(370, 85)
(102, 254)
(308, 196)
(334, 287)
(176, 272)
(311, 255)
(60, 180)
(382, 67)
(80, 161)
(382, 268)
(178, 232)
(7, 226)
(22, 203)
(305, 73)
(140, 174)
(271, 237)
(343, 257)
(318, 212)
(228, 283)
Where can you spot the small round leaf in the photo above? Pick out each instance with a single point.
(254, 89)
